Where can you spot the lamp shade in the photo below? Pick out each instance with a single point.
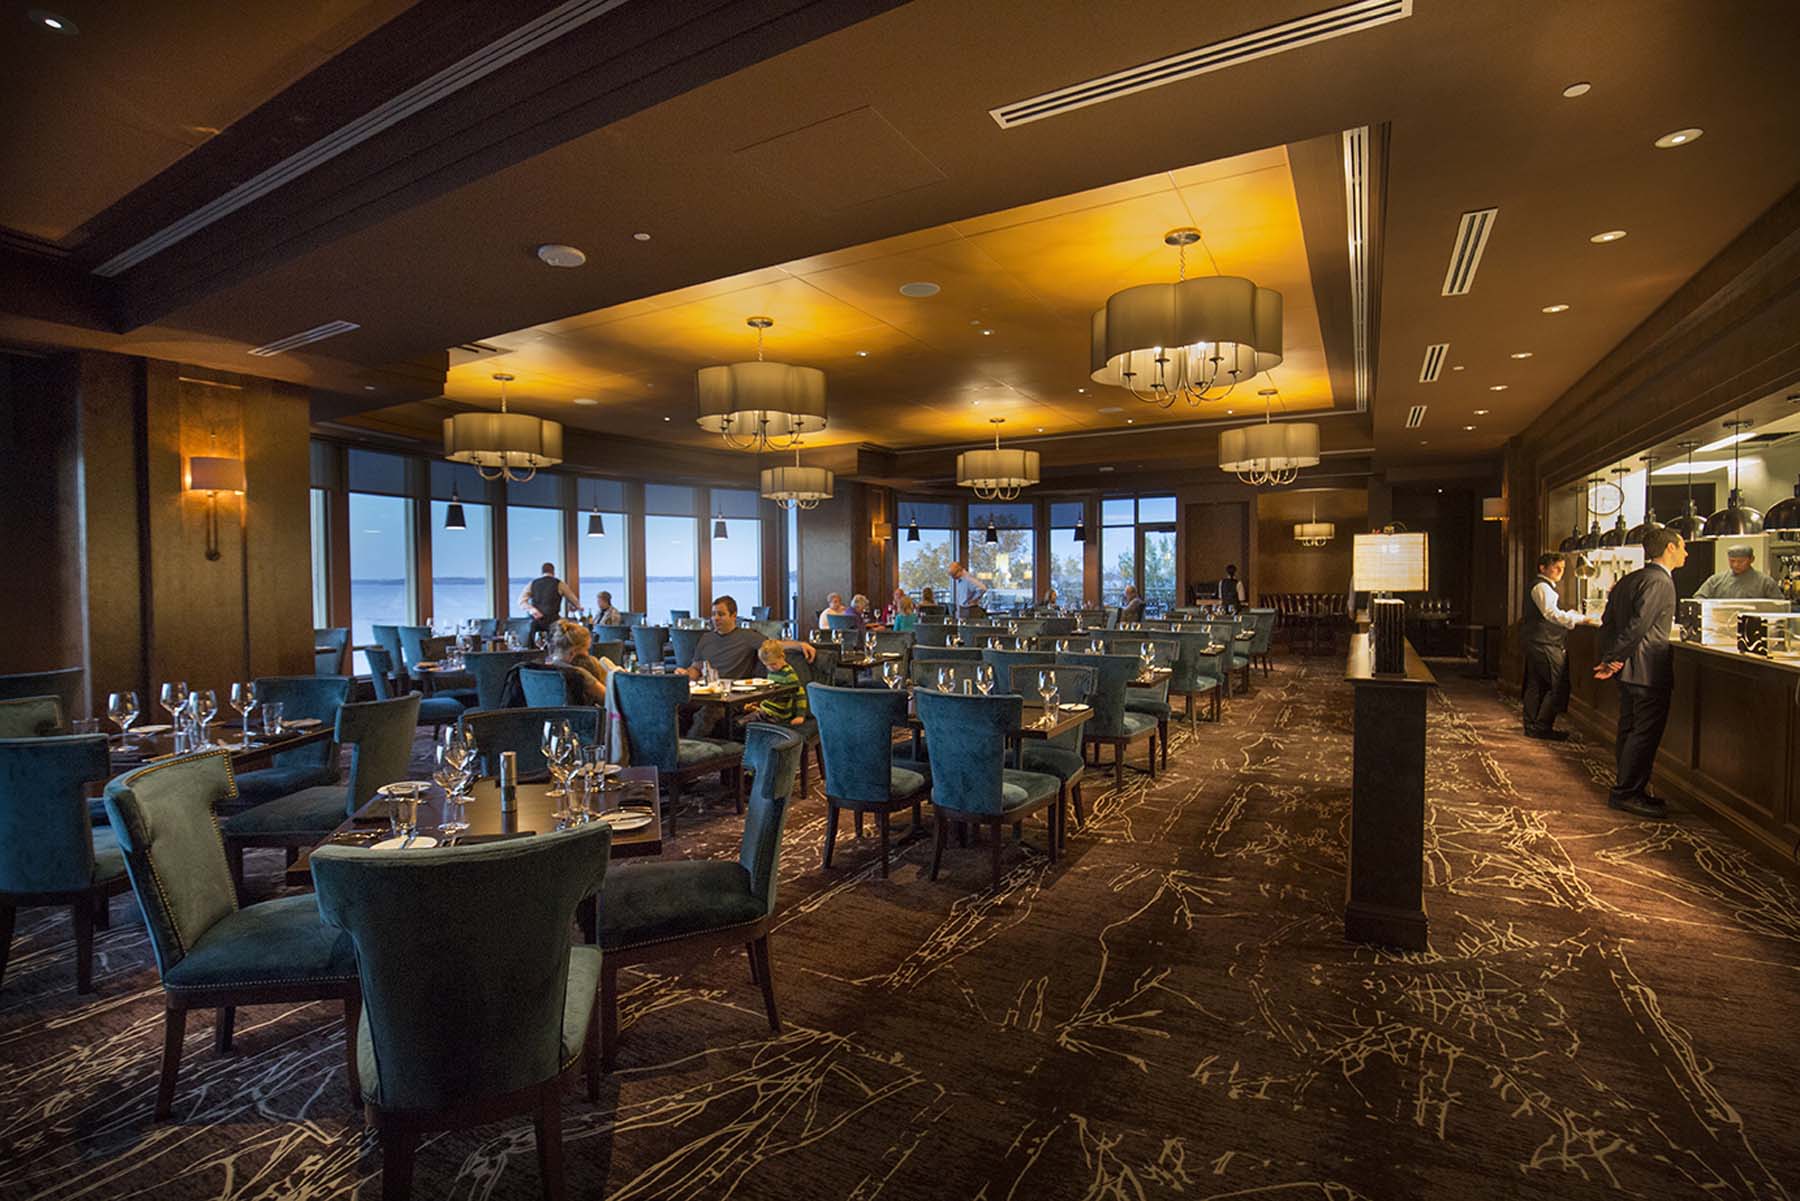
(1493, 508)
(1391, 562)
(806, 485)
(596, 525)
(1002, 469)
(209, 474)
(1784, 515)
(1314, 533)
(1735, 520)
(503, 440)
(454, 518)
(745, 399)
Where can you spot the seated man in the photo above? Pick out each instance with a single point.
(834, 607)
(733, 650)
(1133, 608)
(606, 614)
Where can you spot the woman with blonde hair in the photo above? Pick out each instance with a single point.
(906, 615)
(569, 643)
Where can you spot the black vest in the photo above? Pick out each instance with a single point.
(1536, 629)
(546, 596)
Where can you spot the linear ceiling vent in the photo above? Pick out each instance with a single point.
(497, 54)
(1323, 26)
(1435, 354)
(1415, 417)
(305, 337)
(1465, 256)
(473, 352)
(1356, 220)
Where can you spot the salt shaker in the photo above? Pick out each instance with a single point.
(509, 781)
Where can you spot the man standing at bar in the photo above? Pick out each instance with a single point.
(1544, 633)
(965, 591)
(1634, 647)
(543, 598)
(1742, 582)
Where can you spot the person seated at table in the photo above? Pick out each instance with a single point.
(1133, 608)
(906, 615)
(835, 607)
(605, 612)
(861, 610)
(927, 597)
(733, 650)
(570, 643)
(788, 709)
(1049, 601)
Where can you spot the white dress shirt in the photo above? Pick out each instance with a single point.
(1543, 594)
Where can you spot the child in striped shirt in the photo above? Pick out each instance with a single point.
(789, 709)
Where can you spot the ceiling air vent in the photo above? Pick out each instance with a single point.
(305, 337)
(1415, 417)
(1291, 35)
(474, 352)
(1356, 219)
(1435, 354)
(1465, 256)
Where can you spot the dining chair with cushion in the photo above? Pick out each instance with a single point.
(924, 672)
(609, 648)
(683, 641)
(856, 738)
(840, 621)
(380, 735)
(1112, 724)
(768, 627)
(1224, 632)
(1003, 662)
(1053, 626)
(51, 853)
(519, 628)
(650, 707)
(762, 612)
(487, 627)
(316, 697)
(970, 781)
(611, 633)
(65, 684)
(651, 643)
(1198, 671)
(553, 684)
(212, 953)
(388, 639)
(932, 633)
(481, 1012)
(821, 670)
(1263, 622)
(31, 717)
(490, 669)
(676, 615)
(330, 661)
(1092, 618)
(691, 907)
(434, 711)
(416, 647)
(824, 666)
(521, 731)
(1062, 755)
(1151, 699)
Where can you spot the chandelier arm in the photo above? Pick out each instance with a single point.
(483, 472)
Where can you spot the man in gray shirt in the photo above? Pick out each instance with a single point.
(732, 650)
(1741, 582)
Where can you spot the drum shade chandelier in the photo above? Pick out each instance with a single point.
(1268, 453)
(503, 444)
(997, 474)
(1193, 340)
(1314, 533)
(761, 405)
(797, 487)
(1736, 519)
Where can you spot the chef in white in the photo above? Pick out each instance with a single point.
(1543, 634)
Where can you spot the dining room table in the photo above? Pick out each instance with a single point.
(1034, 722)
(736, 696)
(136, 749)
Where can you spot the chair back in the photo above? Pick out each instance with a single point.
(496, 943)
(633, 620)
(381, 666)
(174, 852)
(380, 734)
(648, 705)
(31, 717)
(676, 615)
(608, 649)
(1111, 675)
(684, 642)
(65, 684)
(388, 639)
(1194, 668)
(761, 612)
(1264, 621)
(489, 669)
(840, 621)
(896, 642)
(330, 662)
(924, 672)
(967, 736)
(551, 684)
(1073, 687)
(1004, 661)
(519, 628)
(650, 642)
(412, 646)
(823, 667)
(774, 755)
(487, 627)
(768, 627)
(932, 633)
(947, 654)
(521, 731)
(856, 737)
(611, 633)
(46, 830)
(317, 697)
(1091, 618)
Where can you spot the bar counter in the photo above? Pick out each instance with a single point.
(1733, 741)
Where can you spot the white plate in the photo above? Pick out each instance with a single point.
(402, 788)
(1075, 707)
(624, 821)
(149, 729)
(422, 842)
(299, 723)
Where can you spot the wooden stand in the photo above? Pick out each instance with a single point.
(1384, 898)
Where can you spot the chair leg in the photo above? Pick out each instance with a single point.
(881, 819)
(1162, 735)
(995, 831)
(8, 920)
(674, 802)
(102, 910)
(750, 954)
(766, 977)
(737, 780)
(937, 841)
(174, 1027)
(83, 911)
(224, 1021)
(399, 1146)
(805, 762)
(1080, 813)
(859, 814)
(1118, 765)
(352, 1073)
(590, 1055)
(1152, 758)
(609, 1016)
(1055, 822)
(831, 821)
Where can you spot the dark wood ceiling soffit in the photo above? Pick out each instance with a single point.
(626, 60)
(1317, 165)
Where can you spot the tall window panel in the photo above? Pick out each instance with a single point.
(926, 563)
(1006, 565)
(321, 559)
(1118, 547)
(1068, 564)
(791, 520)
(671, 567)
(534, 537)
(383, 590)
(737, 557)
(603, 544)
(462, 565)
(1156, 547)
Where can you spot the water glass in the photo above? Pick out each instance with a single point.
(203, 703)
(890, 673)
(243, 699)
(122, 707)
(946, 678)
(984, 678)
(173, 697)
(271, 715)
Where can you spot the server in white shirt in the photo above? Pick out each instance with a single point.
(1544, 633)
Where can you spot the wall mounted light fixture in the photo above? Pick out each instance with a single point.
(212, 475)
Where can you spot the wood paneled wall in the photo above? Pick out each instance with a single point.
(1286, 566)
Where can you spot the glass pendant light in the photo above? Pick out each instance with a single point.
(1736, 519)
(1689, 525)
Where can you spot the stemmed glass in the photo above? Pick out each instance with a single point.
(1147, 656)
(122, 707)
(984, 677)
(1047, 690)
(203, 704)
(551, 744)
(173, 698)
(890, 673)
(455, 766)
(243, 699)
(946, 679)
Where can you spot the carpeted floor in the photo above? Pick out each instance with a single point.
(1609, 1009)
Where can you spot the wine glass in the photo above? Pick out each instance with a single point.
(550, 743)
(243, 699)
(173, 697)
(450, 776)
(946, 678)
(1047, 690)
(984, 677)
(890, 673)
(203, 705)
(122, 707)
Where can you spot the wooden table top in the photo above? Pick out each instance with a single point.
(1031, 720)
(737, 698)
(137, 751)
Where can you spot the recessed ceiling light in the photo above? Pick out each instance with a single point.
(1106, 469)
(862, 354)
(665, 419)
(1082, 390)
(1611, 235)
(640, 237)
(1497, 387)
(1521, 354)
(1481, 412)
(1577, 89)
(1458, 367)
(1424, 442)
(1467, 427)
(987, 333)
(1040, 429)
(919, 289)
(1131, 421)
(1556, 308)
(555, 254)
(55, 22)
(368, 387)
(1680, 137)
(1112, 409)
(586, 401)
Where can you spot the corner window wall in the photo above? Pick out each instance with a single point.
(926, 563)
(1005, 566)
(603, 553)
(1137, 547)
(671, 553)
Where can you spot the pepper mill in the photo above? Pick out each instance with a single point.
(509, 781)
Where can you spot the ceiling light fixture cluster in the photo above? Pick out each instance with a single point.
(1268, 453)
(761, 405)
(513, 445)
(997, 474)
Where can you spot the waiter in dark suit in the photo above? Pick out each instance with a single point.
(1634, 648)
(1544, 633)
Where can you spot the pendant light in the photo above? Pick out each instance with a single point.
(453, 512)
(761, 405)
(797, 487)
(1573, 542)
(596, 524)
(1736, 519)
(503, 444)
(719, 530)
(1642, 530)
(1081, 525)
(1314, 533)
(997, 474)
(1618, 534)
(912, 530)
(1784, 515)
(1689, 525)
(993, 535)
(1269, 453)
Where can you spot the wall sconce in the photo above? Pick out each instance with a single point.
(883, 530)
(213, 475)
(1493, 508)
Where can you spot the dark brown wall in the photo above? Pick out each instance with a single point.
(1286, 566)
(834, 549)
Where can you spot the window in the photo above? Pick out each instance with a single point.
(1068, 558)
(462, 577)
(671, 567)
(737, 557)
(1137, 547)
(382, 588)
(321, 560)
(603, 559)
(926, 563)
(1006, 566)
(793, 562)
(1118, 548)
(534, 537)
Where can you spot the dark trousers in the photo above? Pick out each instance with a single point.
(1643, 712)
(1546, 693)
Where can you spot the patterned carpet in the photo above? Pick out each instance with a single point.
(1608, 1009)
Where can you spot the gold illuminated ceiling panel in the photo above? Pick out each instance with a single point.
(909, 372)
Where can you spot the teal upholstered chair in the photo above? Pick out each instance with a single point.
(521, 731)
(553, 684)
(682, 643)
(924, 672)
(970, 782)
(380, 734)
(487, 627)
(211, 953)
(31, 717)
(419, 645)
(609, 648)
(688, 907)
(1112, 724)
(1226, 633)
(1004, 661)
(856, 738)
(65, 684)
(840, 621)
(1091, 619)
(824, 666)
(651, 643)
(520, 629)
(50, 851)
(317, 697)
(1263, 622)
(676, 615)
(330, 661)
(761, 612)
(1055, 625)
(388, 639)
(434, 711)
(1151, 699)
(768, 627)
(612, 633)
(650, 708)
(1062, 755)
(484, 1009)
(490, 669)
(1199, 671)
(931, 633)
(947, 654)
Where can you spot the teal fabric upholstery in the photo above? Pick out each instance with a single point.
(317, 697)
(1065, 764)
(768, 627)
(650, 642)
(824, 665)
(388, 639)
(607, 633)
(65, 684)
(925, 672)
(840, 621)
(520, 629)
(932, 633)
(317, 810)
(1073, 685)
(263, 943)
(412, 647)
(330, 662)
(1111, 674)
(1196, 671)
(380, 734)
(490, 669)
(31, 717)
(676, 615)
(648, 706)
(947, 654)
(968, 737)
(551, 684)
(856, 732)
(683, 642)
(1263, 621)
(694, 752)
(761, 612)
(487, 627)
(1004, 662)
(433, 710)
(608, 648)
(46, 834)
(486, 996)
(773, 755)
(1020, 788)
(521, 731)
